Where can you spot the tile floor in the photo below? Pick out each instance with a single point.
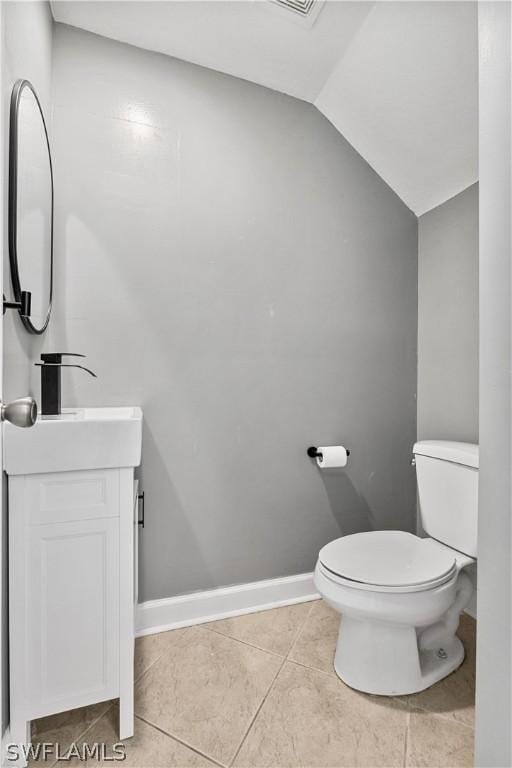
(260, 690)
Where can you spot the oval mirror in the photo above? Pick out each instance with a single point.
(30, 206)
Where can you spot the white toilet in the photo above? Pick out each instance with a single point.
(400, 596)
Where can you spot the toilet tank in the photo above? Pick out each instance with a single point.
(447, 476)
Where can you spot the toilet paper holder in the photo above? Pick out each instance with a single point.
(314, 453)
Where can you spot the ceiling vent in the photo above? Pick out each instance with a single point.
(302, 11)
(299, 6)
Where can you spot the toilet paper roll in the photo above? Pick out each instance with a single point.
(331, 456)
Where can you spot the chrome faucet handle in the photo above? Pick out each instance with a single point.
(21, 412)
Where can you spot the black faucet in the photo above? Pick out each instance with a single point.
(50, 379)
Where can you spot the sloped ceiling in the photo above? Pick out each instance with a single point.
(397, 79)
(405, 95)
(252, 39)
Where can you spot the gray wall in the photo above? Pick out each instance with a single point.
(26, 51)
(228, 261)
(448, 320)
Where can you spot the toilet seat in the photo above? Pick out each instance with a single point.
(388, 561)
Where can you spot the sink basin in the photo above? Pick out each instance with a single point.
(76, 439)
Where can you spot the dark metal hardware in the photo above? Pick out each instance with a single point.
(51, 379)
(23, 306)
(56, 357)
(314, 453)
(140, 497)
(66, 365)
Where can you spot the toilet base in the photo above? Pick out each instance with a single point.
(385, 660)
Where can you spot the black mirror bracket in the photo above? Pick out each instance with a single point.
(23, 306)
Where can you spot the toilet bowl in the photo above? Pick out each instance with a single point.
(400, 596)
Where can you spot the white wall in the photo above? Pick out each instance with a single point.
(494, 659)
(228, 261)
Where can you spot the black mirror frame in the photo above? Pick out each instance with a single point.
(13, 201)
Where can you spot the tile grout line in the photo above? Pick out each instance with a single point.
(136, 680)
(181, 741)
(301, 629)
(406, 707)
(321, 671)
(406, 740)
(86, 730)
(244, 642)
(442, 716)
(253, 719)
(145, 671)
(258, 647)
(285, 659)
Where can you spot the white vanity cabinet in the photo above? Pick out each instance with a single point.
(72, 591)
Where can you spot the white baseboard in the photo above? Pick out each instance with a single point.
(200, 607)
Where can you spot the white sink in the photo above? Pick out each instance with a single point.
(76, 439)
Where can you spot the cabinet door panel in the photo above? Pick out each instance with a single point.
(67, 496)
(73, 613)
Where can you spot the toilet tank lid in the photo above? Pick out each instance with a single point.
(448, 450)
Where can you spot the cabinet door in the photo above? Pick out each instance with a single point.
(72, 582)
